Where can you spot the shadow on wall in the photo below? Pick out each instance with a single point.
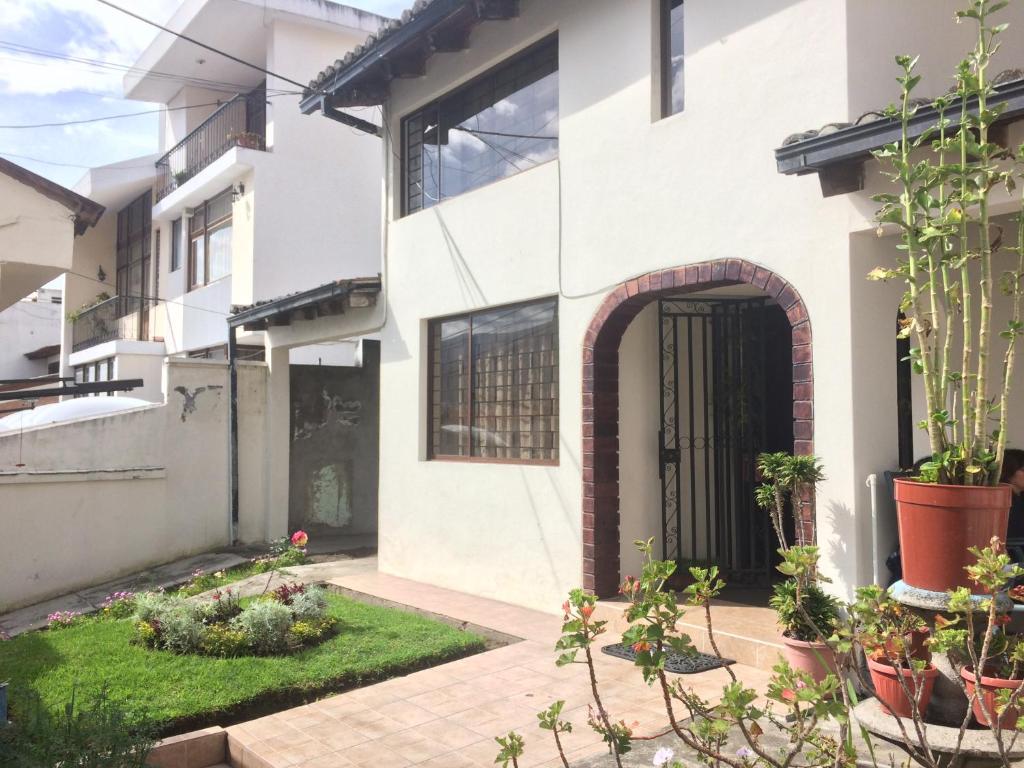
(334, 445)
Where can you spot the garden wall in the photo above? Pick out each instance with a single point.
(100, 497)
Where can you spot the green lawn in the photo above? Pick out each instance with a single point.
(190, 691)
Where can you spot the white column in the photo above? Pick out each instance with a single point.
(278, 438)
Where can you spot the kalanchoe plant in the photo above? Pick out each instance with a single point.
(951, 246)
(809, 614)
(788, 481)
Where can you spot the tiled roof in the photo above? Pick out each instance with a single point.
(1003, 78)
(371, 42)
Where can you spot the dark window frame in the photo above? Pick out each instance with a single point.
(435, 106)
(432, 454)
(175, 245)
(202, 234)
(134, 234)
(666, 7)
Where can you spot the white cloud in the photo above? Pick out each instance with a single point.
(81, 28)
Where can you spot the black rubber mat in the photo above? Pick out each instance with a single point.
(676, 662)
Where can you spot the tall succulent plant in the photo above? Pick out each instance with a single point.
(946, 178)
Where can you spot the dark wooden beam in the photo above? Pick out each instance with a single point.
(841, 178)
(496, 10)
(411, 63)
(452, 39)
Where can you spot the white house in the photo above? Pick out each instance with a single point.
(603, 298)
(30, 335)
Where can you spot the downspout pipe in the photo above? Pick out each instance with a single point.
(233, 429)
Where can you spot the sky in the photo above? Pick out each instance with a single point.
(37, 89)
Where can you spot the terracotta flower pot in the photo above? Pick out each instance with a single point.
(890, 694)
(816, 659)
(938, 523)
(989, 687)
(918, 650)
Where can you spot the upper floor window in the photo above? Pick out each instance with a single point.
(134, 235)
(504, 122)
(671, 57)
(494, 384)
(175, 245)
(209, 250)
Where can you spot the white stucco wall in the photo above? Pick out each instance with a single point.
(100, 497)
(26, 326)
(633, 196)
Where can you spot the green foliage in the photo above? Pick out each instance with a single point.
(181, 626)
(99, 733)
(805, 613)
(549, 719)
(309, 604)
(788, 481)
(511, 749)
(265, 623)
(221, 640)
(949, 244)
(376, 643)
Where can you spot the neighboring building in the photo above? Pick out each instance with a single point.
(601, 293)
(30, 335)
(39, 221)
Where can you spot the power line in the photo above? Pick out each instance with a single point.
(75, 165)
(202, 45)
(93, 64)
(61, 124)
(143, 297)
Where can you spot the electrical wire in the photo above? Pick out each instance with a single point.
(143, 297)
(203, 45)
(74, 165)
(93, 64)
(85, 121)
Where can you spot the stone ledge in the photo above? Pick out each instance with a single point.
(81, 475)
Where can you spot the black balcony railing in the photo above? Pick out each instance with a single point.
(111, 320)
(240, 122)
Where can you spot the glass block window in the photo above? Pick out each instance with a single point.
(494, 385)
(504, 122)
(671, 57)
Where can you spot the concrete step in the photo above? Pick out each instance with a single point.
(745, 633)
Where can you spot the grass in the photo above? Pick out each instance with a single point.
(209, 581)
(185, 692)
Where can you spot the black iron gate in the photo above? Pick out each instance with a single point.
(726, 396)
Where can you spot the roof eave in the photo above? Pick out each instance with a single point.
(856, 143)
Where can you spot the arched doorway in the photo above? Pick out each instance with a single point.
(600, 528)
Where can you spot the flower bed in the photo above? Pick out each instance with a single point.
(292, 617)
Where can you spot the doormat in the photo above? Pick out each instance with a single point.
(674, 662)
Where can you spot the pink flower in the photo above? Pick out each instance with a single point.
(299, 539)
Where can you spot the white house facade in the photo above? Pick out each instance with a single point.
(603, 298)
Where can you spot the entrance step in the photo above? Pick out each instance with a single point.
(747, 634)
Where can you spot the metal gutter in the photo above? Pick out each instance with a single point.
(303, 299)
(435, 13)
(857, 142)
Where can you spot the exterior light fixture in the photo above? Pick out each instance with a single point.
(101, 275)
(237, 191)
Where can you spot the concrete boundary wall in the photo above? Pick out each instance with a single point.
(101, 497)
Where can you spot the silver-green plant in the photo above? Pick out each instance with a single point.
(946, 179)
(309, 604)
(265, 624)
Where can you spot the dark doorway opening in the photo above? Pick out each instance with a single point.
(726, 396)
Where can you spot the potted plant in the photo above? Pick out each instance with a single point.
(976, 638)
(895, 641)
(807, 615)
(949, 242)
(245, 139)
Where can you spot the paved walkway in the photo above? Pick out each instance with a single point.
(448, 716)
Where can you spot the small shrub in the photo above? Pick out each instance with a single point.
(62, 619)
(146, 633)
(181, 627)
(265, 624)
(821, 608)
(286, 592)
(102, 732)
(149, 605)
(222, 607)
(311, 603)
(221, 640)
(118, 605)
(290, 557)
(309, 632)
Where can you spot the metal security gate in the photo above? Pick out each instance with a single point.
(725, 398)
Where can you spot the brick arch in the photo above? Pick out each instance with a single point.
(601, 393)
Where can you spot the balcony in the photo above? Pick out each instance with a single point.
(115, 319)
(240, 122)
